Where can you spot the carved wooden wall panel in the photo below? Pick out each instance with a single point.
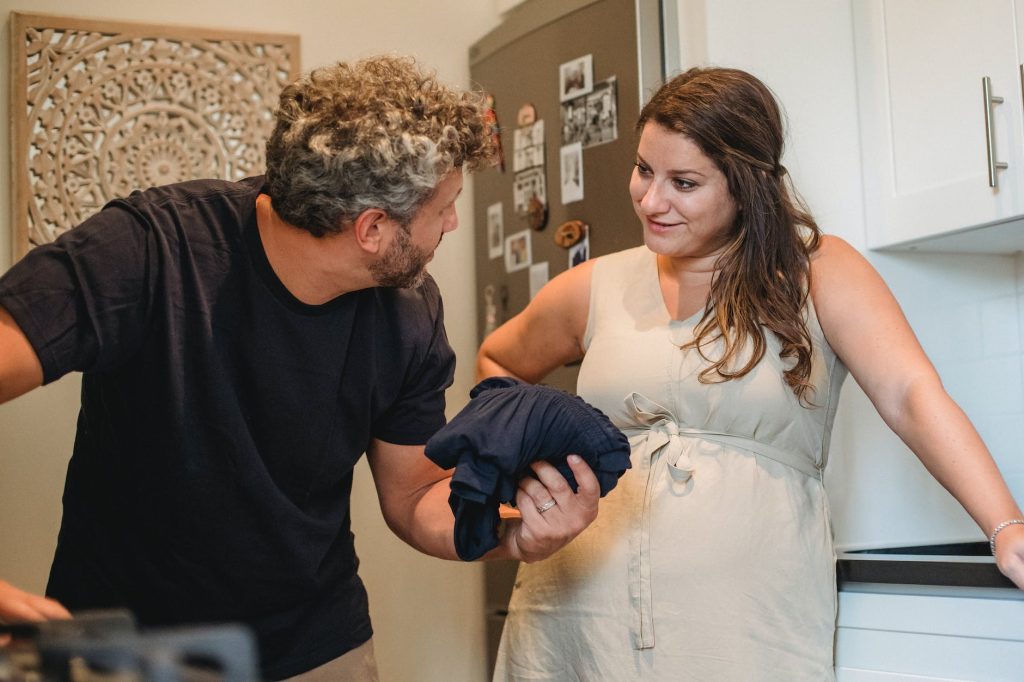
(99, 109)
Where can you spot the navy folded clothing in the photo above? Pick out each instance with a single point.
(507, 425)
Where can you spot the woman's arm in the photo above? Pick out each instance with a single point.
(547, 334)
(865, 326)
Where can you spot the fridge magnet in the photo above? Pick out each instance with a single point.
(537, 214)
(490, 310)
(538, 277)
(570, 233)
(101, 107)
(495, 307)
(495, 230)
(491, 118)
(518, 251)
(526, 115)
(602, 114)
(572, 172)
(528, 146)
(580, 252)
(576, 78)
(529, 185)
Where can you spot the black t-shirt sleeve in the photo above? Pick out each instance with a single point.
(82, 300)
(418, 411)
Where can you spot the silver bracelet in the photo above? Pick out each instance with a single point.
(1004, 524)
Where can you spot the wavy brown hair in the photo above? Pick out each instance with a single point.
(762, 279)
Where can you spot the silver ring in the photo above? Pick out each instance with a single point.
(547, 505)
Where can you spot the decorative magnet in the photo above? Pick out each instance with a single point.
(570, 233)
(495, 307)
(490, 310)
(527, 115)
(491, 117)
(537, 214)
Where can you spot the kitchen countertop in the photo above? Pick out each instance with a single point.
(964, 564)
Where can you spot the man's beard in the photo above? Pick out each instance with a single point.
(402, 266)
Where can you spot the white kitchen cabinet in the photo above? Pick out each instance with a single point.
(902, 633)
(920, 70)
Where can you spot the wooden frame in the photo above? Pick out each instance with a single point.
(108, 107)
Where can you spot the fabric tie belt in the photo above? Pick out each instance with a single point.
(659, 437)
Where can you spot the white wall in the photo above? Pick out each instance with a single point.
(428, 614)
(965, 310)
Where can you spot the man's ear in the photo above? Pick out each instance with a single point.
(370, 229)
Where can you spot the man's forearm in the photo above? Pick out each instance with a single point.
(428, 525)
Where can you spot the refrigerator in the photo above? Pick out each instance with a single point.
(566, 80)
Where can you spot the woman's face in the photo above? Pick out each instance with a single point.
(680, 196)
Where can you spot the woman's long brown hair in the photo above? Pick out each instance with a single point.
(762, 279)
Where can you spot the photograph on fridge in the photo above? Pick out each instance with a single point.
(518, 251)
(529, 184)
(528, 146)
(572, 172)
(495, 230)
(576, 77)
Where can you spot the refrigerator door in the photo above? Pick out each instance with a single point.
(530, 59)
(523, 62)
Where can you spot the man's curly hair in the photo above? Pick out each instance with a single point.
(379, 133)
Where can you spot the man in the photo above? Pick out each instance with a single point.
(242, 344)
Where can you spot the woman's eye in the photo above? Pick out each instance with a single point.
(681, 183)
(642, 169)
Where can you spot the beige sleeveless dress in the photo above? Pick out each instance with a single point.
(712, 560)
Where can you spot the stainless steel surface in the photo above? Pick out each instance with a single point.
(650, 48)
(990, 144)
(519, 22)
(518, 63)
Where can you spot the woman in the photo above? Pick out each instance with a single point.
(719, 348)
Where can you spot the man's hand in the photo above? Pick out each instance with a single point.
(18, 606)
(552, 514)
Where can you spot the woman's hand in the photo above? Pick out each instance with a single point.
(551, 513)
(1010, 553)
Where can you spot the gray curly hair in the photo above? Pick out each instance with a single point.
(379, 133)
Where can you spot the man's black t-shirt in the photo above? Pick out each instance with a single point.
(221, 417)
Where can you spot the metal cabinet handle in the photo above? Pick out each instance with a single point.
(993, 165)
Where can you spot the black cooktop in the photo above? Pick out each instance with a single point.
(963, 564)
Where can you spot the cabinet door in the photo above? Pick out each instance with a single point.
(920, 65)
(1020, 82)
(939, 634)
